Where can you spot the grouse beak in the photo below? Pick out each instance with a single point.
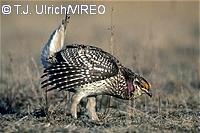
(149, 93)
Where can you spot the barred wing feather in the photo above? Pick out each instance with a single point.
(78, 65)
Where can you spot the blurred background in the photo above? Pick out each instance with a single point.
(159, 40)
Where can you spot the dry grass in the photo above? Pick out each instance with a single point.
(157, 39)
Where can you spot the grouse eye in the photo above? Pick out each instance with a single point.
(138, 83)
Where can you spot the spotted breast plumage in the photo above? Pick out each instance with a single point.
(87, 71)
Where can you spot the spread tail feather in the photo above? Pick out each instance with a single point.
(55, 43)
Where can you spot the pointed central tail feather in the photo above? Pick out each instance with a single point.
(55, 43)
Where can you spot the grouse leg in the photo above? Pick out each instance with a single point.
(91, 106)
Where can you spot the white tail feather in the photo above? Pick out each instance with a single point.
(54, 44)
